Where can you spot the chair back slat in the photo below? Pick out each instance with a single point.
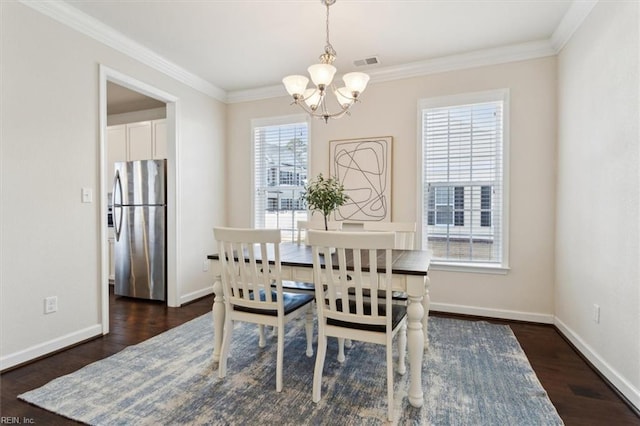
(357, 282)
(354, 251)
(373, 281)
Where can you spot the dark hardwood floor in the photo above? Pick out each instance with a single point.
(578, 393)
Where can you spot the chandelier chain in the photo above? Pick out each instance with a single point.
(329, 54)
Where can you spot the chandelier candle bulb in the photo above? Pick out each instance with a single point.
(295, 84)
(321, 74)
(312, 98)
(344, 100)
(356, 82)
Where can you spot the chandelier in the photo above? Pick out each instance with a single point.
(314, 100)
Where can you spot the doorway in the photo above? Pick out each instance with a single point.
(124, 98)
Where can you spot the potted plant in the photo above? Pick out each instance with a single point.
(325, 196)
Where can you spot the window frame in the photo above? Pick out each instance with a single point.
(267, 122)
(502, 95)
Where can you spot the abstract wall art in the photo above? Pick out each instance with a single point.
(363, 166)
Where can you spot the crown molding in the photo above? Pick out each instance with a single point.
(571, 21)
(478, 58)
(248, 95)
(499, 55)
(91, 27)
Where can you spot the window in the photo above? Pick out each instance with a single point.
(280, 172)
(463, 180)
(446, 206)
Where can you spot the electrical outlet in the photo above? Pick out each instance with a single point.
(596, 314)
(205, 265)
(50, 304)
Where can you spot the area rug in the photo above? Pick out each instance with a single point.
(474, 373)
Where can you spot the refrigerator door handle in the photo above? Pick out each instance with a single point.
(117, 208)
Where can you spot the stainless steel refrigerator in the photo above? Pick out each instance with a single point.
(140, 223)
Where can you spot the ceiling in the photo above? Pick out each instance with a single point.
(121, 100)
(240, 45)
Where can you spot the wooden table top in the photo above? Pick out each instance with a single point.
(405, 262)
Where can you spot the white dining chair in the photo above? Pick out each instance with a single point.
(343, 308)
(253, 290)
(405, 232)
(305, 225)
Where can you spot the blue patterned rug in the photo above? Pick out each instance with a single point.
(474, 373)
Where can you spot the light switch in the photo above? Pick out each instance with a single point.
(87, 195)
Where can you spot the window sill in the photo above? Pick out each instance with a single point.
(476, 268)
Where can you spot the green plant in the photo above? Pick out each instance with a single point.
(324, 195)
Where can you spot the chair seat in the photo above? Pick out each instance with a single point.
(398, 312)
(292, 301)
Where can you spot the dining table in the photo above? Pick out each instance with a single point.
(409, 277)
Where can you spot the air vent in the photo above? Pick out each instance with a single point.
(373, 60)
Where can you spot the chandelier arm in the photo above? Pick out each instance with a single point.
(323, 115)
(304, 107)
(352, 96)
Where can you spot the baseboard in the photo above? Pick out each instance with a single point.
(626, 389)
(186, 298)
(492, 313)
(49, 347)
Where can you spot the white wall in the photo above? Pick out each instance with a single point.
(598, 233)
(390, 109)
(49, 149)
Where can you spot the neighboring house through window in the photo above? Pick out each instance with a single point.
(280, 172)
(464, 180)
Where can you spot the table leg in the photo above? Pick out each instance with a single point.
(426, 301)
(415, 343)
(218, 318)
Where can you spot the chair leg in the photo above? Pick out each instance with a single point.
(341, 357)
(348, 343)
(390, 382)
(262, 342)
(309, 328)
(402, 349)
(317, 372)
(226, 344)
(279, 360)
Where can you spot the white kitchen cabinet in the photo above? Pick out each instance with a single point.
(139, 141)
(144, 140)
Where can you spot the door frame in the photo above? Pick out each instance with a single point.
(173, 211)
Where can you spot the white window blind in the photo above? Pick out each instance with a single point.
(280, 172)
(463, 180)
